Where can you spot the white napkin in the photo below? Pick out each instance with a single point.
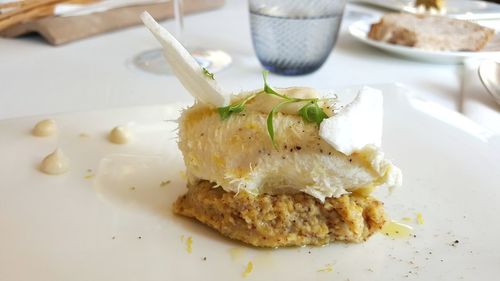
(477, 104)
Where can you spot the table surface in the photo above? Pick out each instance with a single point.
(96, 73)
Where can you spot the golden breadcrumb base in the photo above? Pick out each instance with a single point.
(282, 220)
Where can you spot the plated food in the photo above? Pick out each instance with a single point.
(310, 184)
(115, 216)
(279, 167)
(432, 33)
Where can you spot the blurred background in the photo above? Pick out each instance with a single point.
(62, 56)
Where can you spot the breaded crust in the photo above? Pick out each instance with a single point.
(282, 220)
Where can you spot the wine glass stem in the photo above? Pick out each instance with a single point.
(179, 19)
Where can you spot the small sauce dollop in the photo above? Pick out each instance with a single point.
(119, 135)
(45, 128)
(55, 163)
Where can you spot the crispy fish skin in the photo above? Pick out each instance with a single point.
(282, 220)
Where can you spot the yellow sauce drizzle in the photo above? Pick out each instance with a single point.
(248, 269)
(420, 218)
(189, 244)
(395, 229)
(327, 268)
(235, 253)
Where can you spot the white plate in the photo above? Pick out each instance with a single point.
(460, 9)
(70, 227)
(361, 28)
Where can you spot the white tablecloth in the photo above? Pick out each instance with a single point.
(96, 73)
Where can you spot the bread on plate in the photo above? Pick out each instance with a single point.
(432, 33)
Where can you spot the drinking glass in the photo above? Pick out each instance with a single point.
(294, 37)
(152, 61)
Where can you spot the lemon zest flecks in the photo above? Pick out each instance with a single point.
(248, 269)
(189, 244)
(327, 268)
(406, 219)
(420, 218)
(252, 126)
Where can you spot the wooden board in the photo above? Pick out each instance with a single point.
(62, 30)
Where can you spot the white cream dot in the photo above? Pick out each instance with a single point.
(119, 135)
(55, 163)
(45, 128)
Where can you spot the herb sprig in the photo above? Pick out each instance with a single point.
(311, 112)
(226, 111)
(270, 116)
(208, 74)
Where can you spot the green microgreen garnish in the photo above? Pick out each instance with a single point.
(310, 112)
(270, 116)
(226, 111)
(208, 73)
(269, 90)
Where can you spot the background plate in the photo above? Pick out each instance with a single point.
(460, 9)
(360, 29)
(109, 217)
